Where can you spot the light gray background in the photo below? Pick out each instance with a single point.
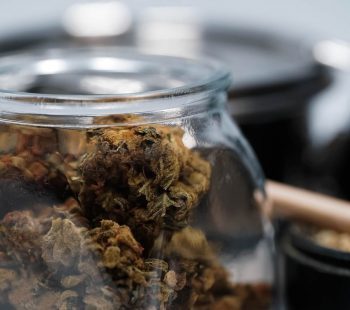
(308, 18)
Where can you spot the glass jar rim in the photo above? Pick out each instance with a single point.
(201, 78)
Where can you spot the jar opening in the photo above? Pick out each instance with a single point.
(92, 82)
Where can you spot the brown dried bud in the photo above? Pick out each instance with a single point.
(7, 276)
(190, 244)
(62, 244)
(68, 300)
(143, 177)
(72, 281)
(118, 249)
(21, 236)
(170, 279)
(110, 228)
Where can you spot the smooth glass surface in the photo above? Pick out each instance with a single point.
(156, 205)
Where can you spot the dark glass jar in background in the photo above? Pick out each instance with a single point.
(276, 78)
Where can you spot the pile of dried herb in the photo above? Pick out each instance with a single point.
(328, 238)
(105, 223)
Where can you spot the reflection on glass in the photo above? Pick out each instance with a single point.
(169, 30)
(97, 19)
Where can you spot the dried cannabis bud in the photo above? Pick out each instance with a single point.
(26, 181)
(20, 236)
(119, 251)
(62, 243)
(324, 237)
(105, 223)
(143, 177)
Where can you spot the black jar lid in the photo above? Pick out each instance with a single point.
(260, 59)
(313, 276)
(273, 75)
(257, 58)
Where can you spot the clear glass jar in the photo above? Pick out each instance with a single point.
(124, 184)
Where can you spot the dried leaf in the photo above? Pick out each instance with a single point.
(62, 244)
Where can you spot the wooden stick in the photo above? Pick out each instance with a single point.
(300, 204)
